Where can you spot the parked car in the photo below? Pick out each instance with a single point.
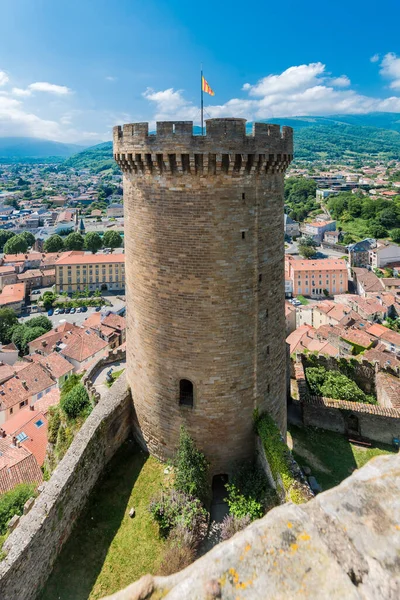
(57, 311)
(61, 311)
(79, 309)
(67, 311)
(72, 311)
(50, 312)
(84, 308)
(98, 308)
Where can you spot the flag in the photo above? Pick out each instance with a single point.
(206, 88)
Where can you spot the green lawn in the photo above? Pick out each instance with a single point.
(303, 300)
(107, 549)
(329, 455)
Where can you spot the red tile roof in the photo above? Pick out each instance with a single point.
(33, 424)
(90, 259)
(17, 465)
(12, 293)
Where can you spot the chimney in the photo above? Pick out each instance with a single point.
(32, 407)
(14, 440)
(25, 384)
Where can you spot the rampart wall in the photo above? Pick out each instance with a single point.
(34, 545)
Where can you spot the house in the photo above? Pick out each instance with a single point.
(8, 276)
(370, 308)
(290, 316)
(292, 228)
(359, 252)
(366, 281)
(58, 367)
(315, 278)
(388, 338)
(13, 296)
(77, 271)
(79, 346)
(316, 229)
(115, 210)
(17, 465)
(384, 254)
(9, 354)
(333, 237)
(304, 338)
(29, 428)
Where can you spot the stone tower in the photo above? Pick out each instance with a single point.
(204, 245)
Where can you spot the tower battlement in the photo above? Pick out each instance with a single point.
(225, 148)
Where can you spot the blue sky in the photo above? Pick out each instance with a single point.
(70, 70)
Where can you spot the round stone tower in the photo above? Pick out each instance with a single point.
(204, 245)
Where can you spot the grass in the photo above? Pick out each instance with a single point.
(303, 300)
(114, 377)
(330, 455)
(108, 550)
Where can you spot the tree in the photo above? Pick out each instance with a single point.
(112, 239)
(389, 217)
(348, 239)
(395, 235)
(12, 202)
(16, 245)
(93, 241)
(377, 231)
(5, 236)
(75, 401)
(306, 251)
(191, 468)
(12, 503)
(40, 321)
(8, 320)
(54, 244)
(28, 237)
(23, 335)
(74, 241)
(48, 299)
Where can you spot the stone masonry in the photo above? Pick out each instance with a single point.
(204, 243)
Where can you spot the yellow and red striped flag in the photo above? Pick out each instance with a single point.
(206, 88)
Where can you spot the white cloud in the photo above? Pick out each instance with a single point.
(390, 68)
(51, 88)
(3, 78)
(297, 91)
(374, 58)
(111, 78)
(21, 92)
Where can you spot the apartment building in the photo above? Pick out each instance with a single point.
(76, 272)
(317, 278)
(317, 229)
(384, 254)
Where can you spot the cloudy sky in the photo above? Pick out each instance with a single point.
(71, 70)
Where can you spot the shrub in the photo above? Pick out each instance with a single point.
(74, 402)
(54, 423)
(191, 468)
(333, 384)
(241, 506)
(70, 383)
(231, 525)
(40, 321)
(176, 558)
(12, 503)
(173, 508)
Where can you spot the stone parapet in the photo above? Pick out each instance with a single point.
(32, 548)
(344, 544)
(225, 149)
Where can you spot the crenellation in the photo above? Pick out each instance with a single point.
(224, 136)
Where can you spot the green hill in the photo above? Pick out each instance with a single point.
(333, 137)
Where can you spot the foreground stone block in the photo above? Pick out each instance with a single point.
(343, 545)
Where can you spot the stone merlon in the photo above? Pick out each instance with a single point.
(343, 545)
(267, 143)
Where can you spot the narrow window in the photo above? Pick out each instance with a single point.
(186, 392)
(243, 235)
(243, 196)
(268, 388)
(260, 278)
(267, 349)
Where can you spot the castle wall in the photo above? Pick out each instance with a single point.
(34, 545)
(204, 245)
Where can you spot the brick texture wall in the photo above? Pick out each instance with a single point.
(204, 245)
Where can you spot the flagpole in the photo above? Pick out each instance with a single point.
(201, 96)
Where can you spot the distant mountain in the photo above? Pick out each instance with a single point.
(332, 137)
(17, 149)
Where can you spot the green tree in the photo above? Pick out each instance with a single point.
(48, 299)
(12, 202)
(112, 239)
(377, 231)
(5, 236)
(306, 251)
(40, 321)
(395, 235)
(75, 401)
(74, 241)
(12, 503)
(54, 243)
(348, 239)
(28, 237)
(93, 241)
(191, 468)
(16, 245)
(22, 335)
(8, 320)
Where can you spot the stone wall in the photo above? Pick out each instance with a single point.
(361, 371)
(204, 252)
(33, 546)
(373, 422)
(344, 544)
